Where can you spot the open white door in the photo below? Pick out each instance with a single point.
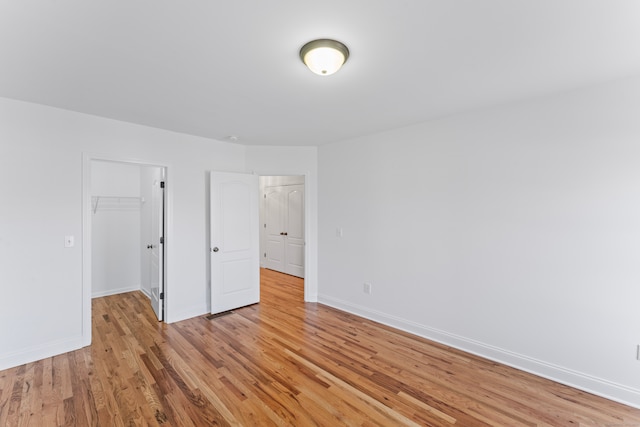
(156, 246)
(235, 245)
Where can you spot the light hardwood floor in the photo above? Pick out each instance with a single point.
(281, 362)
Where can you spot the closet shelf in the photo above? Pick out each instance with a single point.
(115, 203)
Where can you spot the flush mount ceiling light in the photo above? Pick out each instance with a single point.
(324, 56)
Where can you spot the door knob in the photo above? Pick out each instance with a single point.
(215, 249)
(285, 234)
(149, 246)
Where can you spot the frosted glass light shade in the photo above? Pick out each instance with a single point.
(324, 57)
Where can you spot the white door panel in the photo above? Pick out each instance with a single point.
(235, 265)
(275, 253)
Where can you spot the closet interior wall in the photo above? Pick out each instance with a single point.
(115, 227)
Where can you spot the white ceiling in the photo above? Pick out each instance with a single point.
(218, 68)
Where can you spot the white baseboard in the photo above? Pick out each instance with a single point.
(40, 352)
(598, 386)
(115, 291)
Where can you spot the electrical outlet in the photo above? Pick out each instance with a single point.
(69, 241)
(366, 288)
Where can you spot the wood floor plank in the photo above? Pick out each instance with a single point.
(282, 362)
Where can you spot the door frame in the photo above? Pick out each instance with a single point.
(310, 284)
(87, 159)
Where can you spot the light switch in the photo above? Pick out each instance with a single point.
(339, 232)
(69, 241)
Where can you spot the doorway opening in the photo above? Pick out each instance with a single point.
(124, 232)
(282, 224)
(238, 243)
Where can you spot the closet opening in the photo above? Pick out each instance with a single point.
(127, 223)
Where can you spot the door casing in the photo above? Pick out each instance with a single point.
(87, 158)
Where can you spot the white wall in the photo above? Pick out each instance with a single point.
(41, 159)
(295, 161)
(116, 224)
(274, 181)
(512, 232)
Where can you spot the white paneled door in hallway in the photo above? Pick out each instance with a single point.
(284, 229)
